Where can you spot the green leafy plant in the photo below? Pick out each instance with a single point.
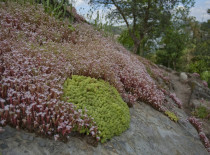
(102, 102)
(201, 112)
(206, 76)
(72, 28)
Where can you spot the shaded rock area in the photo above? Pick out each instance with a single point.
(150, 132)
(199, 91)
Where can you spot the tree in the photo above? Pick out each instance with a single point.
(200, 61)
(175, 42)
(142, 17)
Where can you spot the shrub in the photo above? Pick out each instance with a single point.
(206, 76)
(102, 102)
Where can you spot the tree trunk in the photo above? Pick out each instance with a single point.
(141, 46)
(168, 63)
(136, 46)
(174, 65)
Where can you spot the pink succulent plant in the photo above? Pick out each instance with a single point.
(198, 125)
(36, 57)
(176, 99)
(205, 84)
(196, 75)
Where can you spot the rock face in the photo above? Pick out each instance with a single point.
(183, 77)
(200, 91)
(150, 132)
(195, 103)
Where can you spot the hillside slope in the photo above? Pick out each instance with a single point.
(150, 132)
(38, 53)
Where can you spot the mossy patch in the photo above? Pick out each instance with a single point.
(201, 112)
(102, 101)
(172, 116)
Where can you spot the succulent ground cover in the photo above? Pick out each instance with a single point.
(102, 102)
(198, 125)
(38, 53)
(31, 79)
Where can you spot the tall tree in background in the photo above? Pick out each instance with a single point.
(175, 42)
(142, 17)
(175, 39)
(200, 61)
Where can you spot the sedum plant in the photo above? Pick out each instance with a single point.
(198, 125)
(172, 116)
(102, 102)
(38, 52)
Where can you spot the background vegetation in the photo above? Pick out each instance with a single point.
(163, 33)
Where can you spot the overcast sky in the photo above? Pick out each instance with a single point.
(199, 10)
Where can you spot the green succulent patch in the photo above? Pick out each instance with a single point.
(102, 101)
(172, 116)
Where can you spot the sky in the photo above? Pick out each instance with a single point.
(199, 10)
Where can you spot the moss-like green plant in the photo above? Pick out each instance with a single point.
(172, 116)
(102, 102)
(201, 112)
(72, 28)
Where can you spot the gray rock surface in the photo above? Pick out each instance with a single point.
(200, 91)
(150, 133)
(195, 103)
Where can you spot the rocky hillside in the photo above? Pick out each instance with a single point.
(150, 133)
(38, 53)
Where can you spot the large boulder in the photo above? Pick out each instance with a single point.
(150, 132)
(199, 90)
(183, 77)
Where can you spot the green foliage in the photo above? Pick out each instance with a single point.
(144, 48)
(60, 9)
(106, 28)
(199, 64)
(201, 112)
(200, 61)
(172, 116)
(175, 42)
(126, 40)
(102, 101)
(145, 20)
(71, 27)
(206, 76)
